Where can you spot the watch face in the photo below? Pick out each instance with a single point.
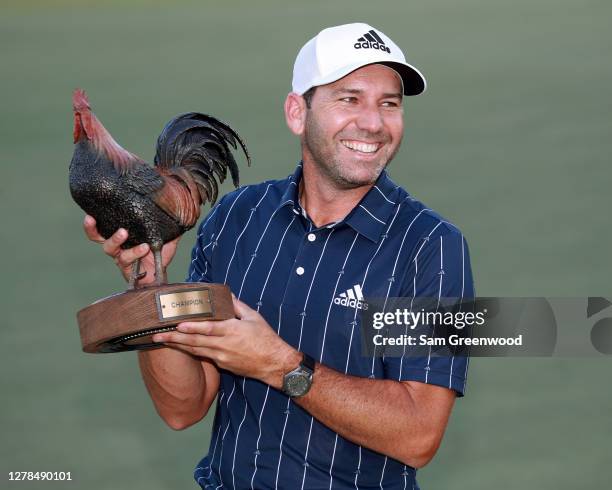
(297, 384)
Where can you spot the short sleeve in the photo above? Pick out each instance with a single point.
(440, 269)
(201, 266)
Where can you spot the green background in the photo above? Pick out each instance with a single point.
(510, 142)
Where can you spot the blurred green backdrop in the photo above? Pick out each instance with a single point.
(512, 142)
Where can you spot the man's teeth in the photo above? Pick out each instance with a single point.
(359, 146)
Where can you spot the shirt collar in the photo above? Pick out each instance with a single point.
(371, 215)
(290, 196)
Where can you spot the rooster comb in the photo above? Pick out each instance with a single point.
(80, 101)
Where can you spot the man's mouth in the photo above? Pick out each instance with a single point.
(361, 146)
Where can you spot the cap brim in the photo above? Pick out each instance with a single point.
(412, 79)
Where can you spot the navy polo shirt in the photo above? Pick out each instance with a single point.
(260, 242)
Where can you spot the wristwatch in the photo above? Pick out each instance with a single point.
(296, 383)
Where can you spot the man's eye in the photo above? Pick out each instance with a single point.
(389, 103)
(349, 99)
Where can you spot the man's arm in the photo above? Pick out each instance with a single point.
(181, 386)
(404, 420)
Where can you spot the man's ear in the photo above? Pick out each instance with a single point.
(295, 113)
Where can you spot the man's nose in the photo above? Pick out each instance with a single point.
(370, 119)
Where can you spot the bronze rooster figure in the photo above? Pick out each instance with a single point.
(156, 203)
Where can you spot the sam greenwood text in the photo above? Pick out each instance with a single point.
(453, 340)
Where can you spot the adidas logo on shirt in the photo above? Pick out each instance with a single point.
(371, 40)
(353, 298)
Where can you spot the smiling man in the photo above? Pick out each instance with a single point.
(298, 405)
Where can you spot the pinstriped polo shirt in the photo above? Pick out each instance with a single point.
(307, 283)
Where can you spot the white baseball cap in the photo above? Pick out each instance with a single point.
(337, 51)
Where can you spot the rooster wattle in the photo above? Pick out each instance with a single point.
(155, 204)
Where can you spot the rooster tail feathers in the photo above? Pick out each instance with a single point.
(199, 145)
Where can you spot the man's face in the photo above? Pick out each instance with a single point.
(354, 126)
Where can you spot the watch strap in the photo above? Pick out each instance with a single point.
(307, 362)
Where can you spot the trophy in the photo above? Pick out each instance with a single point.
(155, 204)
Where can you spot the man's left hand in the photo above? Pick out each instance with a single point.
(246, 345)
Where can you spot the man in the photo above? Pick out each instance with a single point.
(298, 406)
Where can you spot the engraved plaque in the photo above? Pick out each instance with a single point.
(184, 304)
(127, 321)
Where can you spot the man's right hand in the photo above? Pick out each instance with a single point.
(181, 386)
(124, 258)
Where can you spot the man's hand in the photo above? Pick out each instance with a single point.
(246, 345)
(124, 258)
(181, 386)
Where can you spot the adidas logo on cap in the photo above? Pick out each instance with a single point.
(371, 40)
(353, 298)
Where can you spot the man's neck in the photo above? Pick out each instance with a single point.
(323, 201)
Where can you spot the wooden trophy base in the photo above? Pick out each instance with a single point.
(127, 321)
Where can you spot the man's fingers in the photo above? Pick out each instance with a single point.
(194, 351)
(242, 310)
(187, 339)
(215, 329)
(173, 243)
(89, 225)
(112, 246)
(127, 257)
(168, 250)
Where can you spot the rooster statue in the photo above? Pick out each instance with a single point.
(156, 203)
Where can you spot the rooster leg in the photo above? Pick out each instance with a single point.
(160, 273)
(135, 275)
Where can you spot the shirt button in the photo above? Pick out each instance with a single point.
(311, 237)
(299, 271)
